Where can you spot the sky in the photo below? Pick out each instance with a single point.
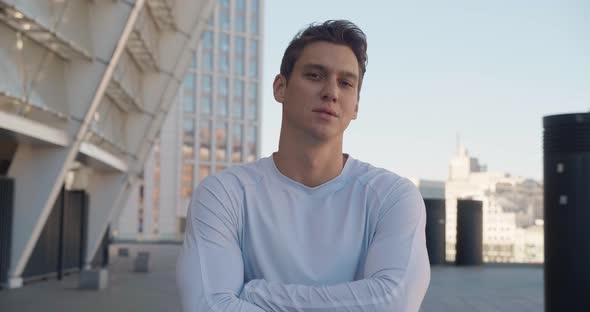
(485, 72)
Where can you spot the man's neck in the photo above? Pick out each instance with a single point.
(310, 165)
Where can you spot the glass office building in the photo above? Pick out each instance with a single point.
(214, 124)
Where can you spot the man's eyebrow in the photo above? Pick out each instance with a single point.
(323, 68)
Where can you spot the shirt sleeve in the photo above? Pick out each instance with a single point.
(210, 271)
(396, 272)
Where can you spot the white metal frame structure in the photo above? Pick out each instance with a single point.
(84, 90)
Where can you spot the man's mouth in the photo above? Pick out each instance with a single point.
(325, 111)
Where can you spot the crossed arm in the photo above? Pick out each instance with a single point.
(210, 266)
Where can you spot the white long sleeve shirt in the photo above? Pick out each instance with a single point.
(258, 241)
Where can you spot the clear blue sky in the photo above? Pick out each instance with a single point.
(489, 70)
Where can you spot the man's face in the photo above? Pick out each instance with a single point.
(321, 97)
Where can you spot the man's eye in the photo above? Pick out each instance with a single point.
(313, 75)
(346, 84)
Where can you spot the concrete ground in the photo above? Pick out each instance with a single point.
(486, 288)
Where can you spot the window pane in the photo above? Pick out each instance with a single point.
(219, 168)
(254, 24)
(222, 86)
(238, 99)
(240, 25)
(206, 84)
(252, 91)
(205, 140)
(253, 68)
(254, 5)
(238, 110)
(189, 81)
(236, 156)
(207, 62)
(224, 42)
(240, 45)
(188, 104)
(187, 180)
(251, 111)
(224, 19)
(221, 108)
(251, 143)
(224, 3)
(188, 127)
(223, 63)
(203, 172)
(238, 88)
(187, 150)
(240, 4)
(253, 48)
(239, 65)
(207, 40)
(205, 103)
(221, 139)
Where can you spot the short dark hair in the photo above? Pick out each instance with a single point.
(341, 32)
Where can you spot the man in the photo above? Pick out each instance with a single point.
(308, 228)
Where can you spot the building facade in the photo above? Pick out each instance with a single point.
(215, 122)
(512, 210)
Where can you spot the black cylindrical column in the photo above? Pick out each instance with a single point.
(6, 212)
(469, 232)
(566, 146)
(435, 230)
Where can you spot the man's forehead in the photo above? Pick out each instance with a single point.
(329, 56)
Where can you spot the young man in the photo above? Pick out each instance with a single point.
(308, 228)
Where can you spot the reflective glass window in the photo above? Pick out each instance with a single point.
(252, 91)
(224, 19)
(205, 104)
(207, 62)
(189, 81)
(254, 6)
(223, 63)
(207, 40)
(236, 156)
(205, 84)
(188, 104)
(221, 141)
(253, 68)
(253, 24)
(253, 48)
(223, 42)
(239, 65)
(204, 171)
(221, 108)
(238, 88)
(251, 112)
(240, 5)
(240, 25)
(237, 109)
(251, 143)
(188, 128)
(222, 86)
(205, 140)
(187, 180)
(240, 45)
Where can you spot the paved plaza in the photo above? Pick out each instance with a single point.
(487, 288)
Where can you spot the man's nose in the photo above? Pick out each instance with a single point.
(330, 90)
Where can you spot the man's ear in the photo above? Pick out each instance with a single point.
(278, 88)
(356, 109)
